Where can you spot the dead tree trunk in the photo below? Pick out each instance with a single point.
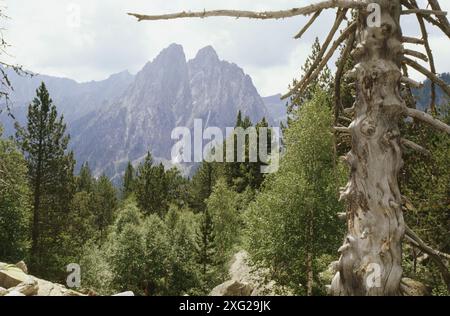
(371, 256)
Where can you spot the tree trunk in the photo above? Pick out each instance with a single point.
(370, 262)
(35, 234)
(309, 275)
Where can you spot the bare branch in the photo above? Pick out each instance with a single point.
(441, 83)
(328, 4)
(300, 86)
(414, 146)
(416, 54)
(340, 14)
(412, 40)
(424, 12)
(341, 129)
(430, 120)
(430, 19)
(424, 32)
(411, 82)
(307, 25)
(442, 19)
(435, 255)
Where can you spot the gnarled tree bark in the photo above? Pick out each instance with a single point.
(370, 262)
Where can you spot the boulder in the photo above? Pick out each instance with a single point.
(128, 293)
(246, 281)
(22, 266)
(232, 288)
(14, 293)
(3, 291)
(11, 276)
(28, 288)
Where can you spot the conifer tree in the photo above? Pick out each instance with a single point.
(128, 181)
(50, 171)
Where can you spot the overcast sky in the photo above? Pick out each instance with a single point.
(91, 39)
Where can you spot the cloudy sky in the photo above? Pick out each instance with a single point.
(91, 39)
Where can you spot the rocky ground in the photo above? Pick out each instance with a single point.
(15, 281)
(246, 281)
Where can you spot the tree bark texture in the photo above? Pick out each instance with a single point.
(370, 262)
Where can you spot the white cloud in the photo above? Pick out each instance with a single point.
(48, 37)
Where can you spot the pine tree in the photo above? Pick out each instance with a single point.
(128, 181)
(104, 202)
(206, 243)
(50, 170)
(202, 184)
(84, 179)
(151, 187)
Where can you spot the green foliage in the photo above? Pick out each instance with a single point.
(224, 209)
(104, 204)
(425, 182)
(296, 214)
(50, 173)
(151, 187)
(14, 203)
(84, 181)
(128, 181)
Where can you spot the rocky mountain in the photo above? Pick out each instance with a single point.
(73, 99)
(121, 118)
(277, 108)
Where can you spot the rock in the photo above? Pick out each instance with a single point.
(232, 288)
(246, 281)
(410, 287)
(22, 266)
(28, 288)
(11, 276)
(14, 293)
(46, 288)
(128, 293)
(3, 291)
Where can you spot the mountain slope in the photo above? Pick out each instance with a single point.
(168, 92)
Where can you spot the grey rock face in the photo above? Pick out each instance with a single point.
(168, 92)
(123, 117)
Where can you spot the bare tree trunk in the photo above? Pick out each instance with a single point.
(370, 262)
(309, 256)
(309, 274)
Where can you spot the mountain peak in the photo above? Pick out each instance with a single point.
(172, 52)
(207, 53)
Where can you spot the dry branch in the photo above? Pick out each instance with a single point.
(299, 87)
(416, 54)
(427, 118)
(424, 12)
(430, 19)
(411, 82)
(414, 146)
(257, 15)
(435, 255)
(442, 19)
(424, 32)
(412, 40)
(434, 78)
(307, 25)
